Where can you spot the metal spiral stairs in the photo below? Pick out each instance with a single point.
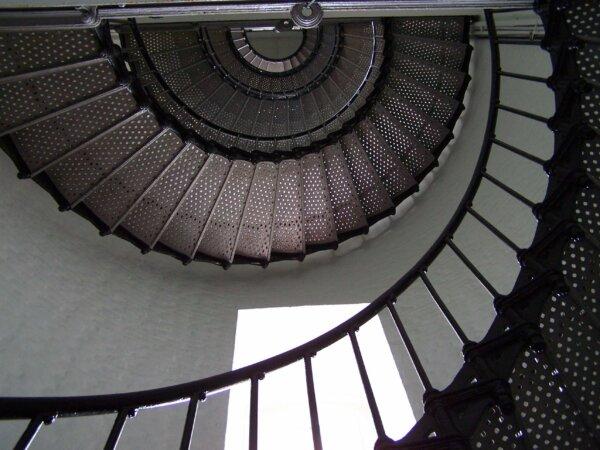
(180, 144)
(531, 382)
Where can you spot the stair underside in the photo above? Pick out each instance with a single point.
(207, 156)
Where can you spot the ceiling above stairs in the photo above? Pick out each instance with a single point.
(186, 139)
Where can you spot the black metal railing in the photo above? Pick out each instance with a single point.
(484, 393)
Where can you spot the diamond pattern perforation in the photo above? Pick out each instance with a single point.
(21, 101)
(288, 233)
(220, 234)
(147, 219)
(255, 233)
(448, 54)
(548, 415)
(184, 231)
(587, 211)
(440, 79)
(75, 174)
(387, 164)
(43, 142)
(319, 224)
(114, 197)
(370, 189)
(347, 209)
(495, 431)
(581, 269)
(573, 346)
(440, 28)
(415, 157)
(28, 51)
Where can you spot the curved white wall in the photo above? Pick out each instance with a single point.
(83, 314)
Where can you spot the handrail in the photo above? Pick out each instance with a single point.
(30, 407)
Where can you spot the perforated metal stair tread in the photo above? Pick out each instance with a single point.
(227, 162)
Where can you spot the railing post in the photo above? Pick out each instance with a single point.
(367, 387)
(117, 429)
(190, 418)
(312, 404)
(409, 347)
(444, 309)
(253, 432)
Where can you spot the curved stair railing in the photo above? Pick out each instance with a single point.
(532, 381)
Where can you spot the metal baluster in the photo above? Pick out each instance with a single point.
(508, 190)
(473, 269)
(444, 309)
(520, 41)
(190, 418)
(520, 112)
(367, 387)
(29, 434)
(494, 230)
(117, 429)
(409, 347)
(518, 151)
(521, 76)
(254, 412)
(312, 404)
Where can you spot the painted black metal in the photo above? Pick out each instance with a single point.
(452, 415)
(312, 404)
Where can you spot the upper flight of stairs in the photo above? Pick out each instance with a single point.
(155, 144)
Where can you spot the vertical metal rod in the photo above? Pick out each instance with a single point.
(508, 190)
(190, 418)
(518, 151)
(494, 230)
(312, 404)
(522, 113)
(367, 387)
(409, 347)
(115, 432)
(445, 311)
(522, 76)
(29, 434)
(473, 269)
(253, 413)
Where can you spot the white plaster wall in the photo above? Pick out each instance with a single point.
(80, 314)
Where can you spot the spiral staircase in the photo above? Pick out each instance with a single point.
(190, 140)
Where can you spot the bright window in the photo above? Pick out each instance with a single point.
(344, 415)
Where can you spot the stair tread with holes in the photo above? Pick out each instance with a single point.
(279, 164)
